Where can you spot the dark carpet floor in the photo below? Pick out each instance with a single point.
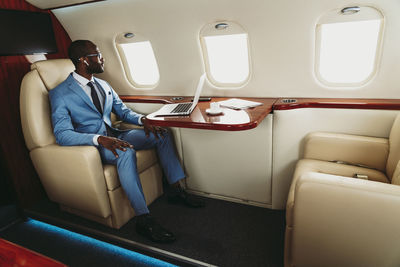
(223, 233)
(72, 249)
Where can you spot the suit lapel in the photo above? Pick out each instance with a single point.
(76, 88)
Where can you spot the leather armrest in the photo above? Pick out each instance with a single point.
(73, 176)
(123, 125)
(371, 152)
(128, 126)
(350, 222)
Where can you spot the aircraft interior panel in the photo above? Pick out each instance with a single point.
(232, 165)
(325, 68)
(289, 128)
(174, 32)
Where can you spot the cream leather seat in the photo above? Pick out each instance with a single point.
(74, 177)
(337, 213)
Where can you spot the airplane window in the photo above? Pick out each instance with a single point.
(226, 54)
(347, 52)
(140, 63)
(228, 57)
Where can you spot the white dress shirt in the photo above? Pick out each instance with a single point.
(82, 81)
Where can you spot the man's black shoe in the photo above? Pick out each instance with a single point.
(182, 197)
(148, 227)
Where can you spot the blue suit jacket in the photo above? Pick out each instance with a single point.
(75, 118)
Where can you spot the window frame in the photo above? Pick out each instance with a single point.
(121, 39)
(335, 16)
(210, 30)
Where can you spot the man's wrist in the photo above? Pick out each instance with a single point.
(142, 119)
(96, 139)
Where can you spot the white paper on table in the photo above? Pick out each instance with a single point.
(237, 103)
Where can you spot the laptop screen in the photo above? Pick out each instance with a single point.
(199, 88)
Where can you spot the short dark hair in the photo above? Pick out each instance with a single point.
(78, 49)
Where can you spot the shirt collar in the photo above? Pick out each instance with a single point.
(82, 80)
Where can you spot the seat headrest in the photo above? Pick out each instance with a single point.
(53, 71)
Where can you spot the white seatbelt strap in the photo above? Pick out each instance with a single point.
(361, 176)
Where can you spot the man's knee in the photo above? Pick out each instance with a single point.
(129, 153)
(163, 138)
(166, 135)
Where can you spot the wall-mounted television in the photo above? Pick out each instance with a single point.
(26, 33)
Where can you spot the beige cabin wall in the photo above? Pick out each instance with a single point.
(282, 43)
(281, 34)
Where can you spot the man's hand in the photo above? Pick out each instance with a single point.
(113, 144)
(154, 129)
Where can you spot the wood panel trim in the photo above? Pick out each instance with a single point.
(14, 255)
(205, 126)
(200, 120)
(148, 99)
(348, 103)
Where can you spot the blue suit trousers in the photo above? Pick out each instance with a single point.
(127, 167)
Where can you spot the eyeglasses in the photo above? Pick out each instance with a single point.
(99, 55)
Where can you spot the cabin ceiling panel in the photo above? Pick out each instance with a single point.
(281, 36)
(48, 4)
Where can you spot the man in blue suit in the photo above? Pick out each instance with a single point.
(81, 109)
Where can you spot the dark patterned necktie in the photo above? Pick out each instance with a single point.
(95, 97)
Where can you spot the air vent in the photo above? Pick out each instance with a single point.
(350, 10)
(221, 26)
(129, 35)
(288, 101)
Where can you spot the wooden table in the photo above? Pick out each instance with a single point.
(230, 120)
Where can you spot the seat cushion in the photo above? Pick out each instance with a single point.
(364, 151)
(145, 159)
(310, 165)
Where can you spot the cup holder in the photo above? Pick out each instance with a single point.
(289, 100)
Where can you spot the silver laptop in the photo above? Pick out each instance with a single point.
(182, 109)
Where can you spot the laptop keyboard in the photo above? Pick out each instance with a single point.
(183, 107)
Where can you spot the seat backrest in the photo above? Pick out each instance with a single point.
(34, 100)
(394, 148)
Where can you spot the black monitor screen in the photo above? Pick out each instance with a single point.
(26, 33)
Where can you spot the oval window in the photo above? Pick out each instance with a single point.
(226, 54)
(139, 62)
(348, 46)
